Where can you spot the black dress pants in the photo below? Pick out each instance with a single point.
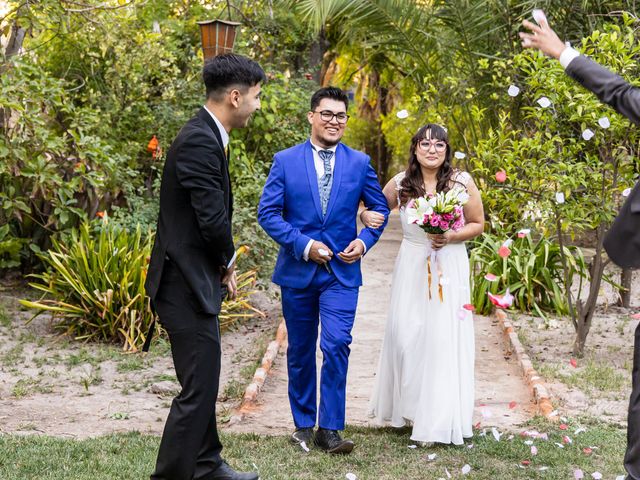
(632, 455)
(190, 447)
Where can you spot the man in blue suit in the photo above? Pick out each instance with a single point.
(309, 206)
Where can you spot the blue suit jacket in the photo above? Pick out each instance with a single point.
(290, 212)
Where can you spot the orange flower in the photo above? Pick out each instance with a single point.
(100, 214)
(152, 146)
(78, 165)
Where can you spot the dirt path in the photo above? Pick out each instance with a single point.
(498, 381)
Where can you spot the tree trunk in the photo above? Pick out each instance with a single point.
(13, 48)
(382, 160)
(316, 57)
(585, 310)
(625, 291)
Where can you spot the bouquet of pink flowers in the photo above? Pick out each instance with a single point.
(438, 213)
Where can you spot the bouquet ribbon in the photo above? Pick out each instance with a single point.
(432, 259)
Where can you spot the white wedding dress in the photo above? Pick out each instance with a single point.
(425, 374)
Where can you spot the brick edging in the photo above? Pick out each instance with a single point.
(249, 400)
(534, 381)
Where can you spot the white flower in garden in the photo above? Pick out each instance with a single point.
(626, 192)
(588, 134)
(402, 114)
(459, 155)
(513, 91)
(559, 197)
(604, 122)
(544, 102)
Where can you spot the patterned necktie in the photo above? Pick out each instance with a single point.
(325, 181)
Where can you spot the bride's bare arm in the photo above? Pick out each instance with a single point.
(375, 219)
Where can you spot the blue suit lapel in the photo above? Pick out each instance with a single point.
(313, 177)
(337, 177)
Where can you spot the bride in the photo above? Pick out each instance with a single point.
(425, 373)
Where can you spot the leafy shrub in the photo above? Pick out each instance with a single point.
(9, 248)
(533, 273)
(95, 284)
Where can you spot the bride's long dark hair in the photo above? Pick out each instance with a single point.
(412, 185)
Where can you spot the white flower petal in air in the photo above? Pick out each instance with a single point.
(604, 122)
(544, 102)
(538, 15)
(466, 469)
(626, 192)
(588, 134)
(402, 114)
(459, 155)
(559, 197)
(351, 476)
(513, 91)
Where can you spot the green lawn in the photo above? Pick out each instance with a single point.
(380, 454)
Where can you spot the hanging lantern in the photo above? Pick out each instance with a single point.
(218, 37)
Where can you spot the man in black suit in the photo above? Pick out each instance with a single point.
(623, 239)
(193, 265)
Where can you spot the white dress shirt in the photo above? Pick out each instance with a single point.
(225, 141)
(319, 164)
(567, 56)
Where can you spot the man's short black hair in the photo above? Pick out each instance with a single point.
(224, 71)
(333, 93)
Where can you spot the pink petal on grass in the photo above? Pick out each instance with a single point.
(587, 451)
(563, 426)
(573, 362)
(534, 450)
(578, 474)
(490, 277)
(501, 176)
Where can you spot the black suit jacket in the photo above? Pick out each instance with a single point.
(194, 225)
(622, 242)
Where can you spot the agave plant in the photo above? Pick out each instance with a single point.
(530, 269)
(94, 284)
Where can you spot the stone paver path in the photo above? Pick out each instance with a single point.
(498, 380)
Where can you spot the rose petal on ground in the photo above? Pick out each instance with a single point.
(544, 102)
(567, 440)
(597, 475)
(604, 122)
(525, 462)
(542, 469)
(412, 446)
(513, 91)
(470, 445)
(528, 442)
(402, 114)
(563, 426)
(587, 451)
(580, 430)
(573, 362)
(501, 176)
(554, 413)
(496, 434)
(512, 405)
(534, 450)
(351, 476)
(578, 474)
(466, 469)
(432, 456)
(587, 134)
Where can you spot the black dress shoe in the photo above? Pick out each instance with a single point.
(331, 442)
(225, 472)
(303, 437)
